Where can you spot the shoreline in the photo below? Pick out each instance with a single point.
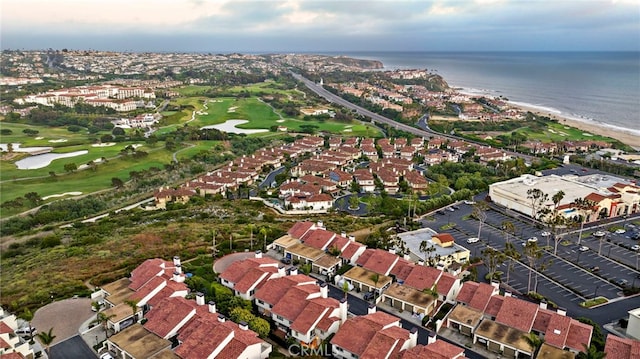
(625, 137)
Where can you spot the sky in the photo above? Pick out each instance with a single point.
(267, 26)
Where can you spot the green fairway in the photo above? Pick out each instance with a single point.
(191, 90)
(556, 132)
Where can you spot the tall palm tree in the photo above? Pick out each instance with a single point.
(375, 278)
(46, 338)
(251, 227)
(512, 255)
(134, 307)
(265, 231)
(586, 206)
(103, 319)
(534, 341)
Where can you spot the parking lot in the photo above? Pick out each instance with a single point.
(568, 278)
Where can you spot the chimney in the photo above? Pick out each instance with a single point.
(413, 337)
(293, 271)
(320, 225)
(344, 308)
(508, 294)
(352, 238)
(199, 298)
(176, 260)
(431, 337)
(495, 284)
(243, 326)
(371, 309)
(176, 277)
(343, 234)
(392, 251)
(258, 254)
(179, 268)
(543, 305)
(282, 271)
(221, 318)
(406, 257)
(562, 311)
(421, 262)
(324, 290)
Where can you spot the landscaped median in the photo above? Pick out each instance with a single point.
(594, 302)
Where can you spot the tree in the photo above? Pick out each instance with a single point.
(426, 248)
(492, 258)
(375, 278)
(117, 182)
(240, 315)
(70, 167)
(92, 165)
(265, 231)
(134, 307)
(479, 212)
(509, 230)
(103, 319)
(33, 197)
(538, 199)
(46, 338)
(591, 353)
(534, 341)
(556, 220)
(586, 206)
(118, 131)
(512, 255)
(354, 202)
(345, 288)
(260, 326)
(306, 268)
(251, 227)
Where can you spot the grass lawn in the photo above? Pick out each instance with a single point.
(45, 135)
(198, 147)
(191, 90)
(556, 132)
(84, 181)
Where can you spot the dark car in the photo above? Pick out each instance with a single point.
(286, 260)
(441, 212)
(594, 269)
(621, 282)
(455, 207)
(369, 295)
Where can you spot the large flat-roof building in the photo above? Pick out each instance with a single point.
(613, 196)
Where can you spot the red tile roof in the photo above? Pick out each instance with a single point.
(402, 269)
(166, 316)
(351, 250)
(147, 288)
(386, 343)
(320, 238)
(380, 261)
(579, 335)
(517, 313)
(445, 237)
(481, 296)
(542, 319)
(299, 229)
(622, 348)
(422, 277)
(557, 331)
(595, 197)
(445, 283)
(495, 303)
(254, 278)
(4, 344)
(201, 336)
(146, 271)
(436, 350)
(466, 292)
(293, 303)
(4, 328)
(13, 355)
(238, 270)
(315, 310)
(273, 290)
(366, 327)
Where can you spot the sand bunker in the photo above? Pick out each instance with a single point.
(347, 130)
(587, 134)
(107, 144)
(40, 138)
(62, 195)
(58, 141)
(280, 121)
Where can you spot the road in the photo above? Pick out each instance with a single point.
(72, 348)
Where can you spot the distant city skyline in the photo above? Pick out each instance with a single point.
(321, 26)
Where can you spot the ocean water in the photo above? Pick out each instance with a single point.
(601, 87)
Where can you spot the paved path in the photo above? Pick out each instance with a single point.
(220, 265)
(65, 317)
(73, 348)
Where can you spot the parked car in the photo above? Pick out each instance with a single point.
(594, 269)
(440, 211)
(635, 247)
(286, 260)
(583, 249)
(545, 234)
(106, 356)
(473, 240)
(26, 332)
(369, 295)
(466, 201)
(621, 282)
(599, 234)
(451, 209)
(619, 231)
(455, 207)
(532, 240)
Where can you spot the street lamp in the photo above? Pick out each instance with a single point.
(595, 294)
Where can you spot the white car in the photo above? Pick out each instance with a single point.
(106, 356)
(473, 240)
(620, 231)
(635, 247)
(583, 248)
(532, 240)
(600, 234)
(545, 234)
(466, 201)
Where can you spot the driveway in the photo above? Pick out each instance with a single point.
(72, 348)
(65, 317)
(220, 265)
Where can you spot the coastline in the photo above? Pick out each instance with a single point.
(626, 137)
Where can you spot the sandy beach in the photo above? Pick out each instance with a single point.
(628, 138)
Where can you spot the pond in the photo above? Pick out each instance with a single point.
(41, 161)
(230, 127)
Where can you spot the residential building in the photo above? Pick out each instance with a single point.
(246, 276)
(622, 348)
(12, 346)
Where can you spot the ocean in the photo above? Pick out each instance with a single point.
(600, 87)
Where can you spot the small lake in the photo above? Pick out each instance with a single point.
(230, 127)
(41, 161)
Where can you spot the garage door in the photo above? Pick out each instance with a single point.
(494, 347)
(397, 304)
(509, 352)
(465, 330)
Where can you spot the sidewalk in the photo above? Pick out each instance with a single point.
(92, 336)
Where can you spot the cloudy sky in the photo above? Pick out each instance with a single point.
(327, 25)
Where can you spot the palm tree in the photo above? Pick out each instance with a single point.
(27, 315)
(134, 307)
(586, 206)
(513, 255)
(103, 319)
(251, 227)
(509, 230)
(265, 231)
(46, 338)
(345, 288)
(375, 278)
(480, 213)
